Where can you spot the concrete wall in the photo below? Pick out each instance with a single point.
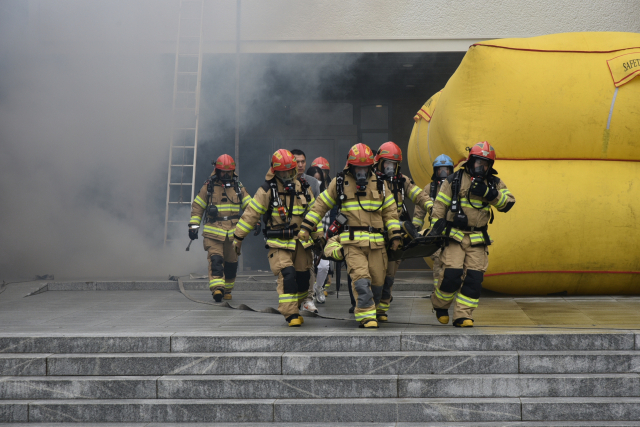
(326, 25)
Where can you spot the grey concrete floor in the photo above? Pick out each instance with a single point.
(170, 311)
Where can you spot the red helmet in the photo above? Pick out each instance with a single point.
(283, 160)
(389, 150)
(483, 150)
(360, 155)
(225, 163)
(321, 162)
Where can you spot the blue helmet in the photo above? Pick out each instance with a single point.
(442, 160)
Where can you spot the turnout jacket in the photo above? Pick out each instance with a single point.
(420, 198)
(228, 204)
(260, 204)
(383, 212)
(420, 212)
(477, 215)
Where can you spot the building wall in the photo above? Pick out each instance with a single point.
(324, 25)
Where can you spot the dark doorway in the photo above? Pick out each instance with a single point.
(320, 103)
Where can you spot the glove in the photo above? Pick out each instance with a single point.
(479, 188)
(303, 235)
(395, 244)
(237, 245)
(193, 233)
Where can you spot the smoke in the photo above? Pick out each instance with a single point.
(84, 131)
(85, 109)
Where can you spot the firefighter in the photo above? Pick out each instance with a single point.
(387, 168)
(465, 203)
(442, 168)
(283, 201)
(360, 196)
(219, 202)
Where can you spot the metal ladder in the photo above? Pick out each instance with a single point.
(184, 120)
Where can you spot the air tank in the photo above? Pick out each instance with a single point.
(563, 114)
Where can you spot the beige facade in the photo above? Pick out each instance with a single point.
(296, 26)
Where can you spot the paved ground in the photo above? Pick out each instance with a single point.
(170, 311)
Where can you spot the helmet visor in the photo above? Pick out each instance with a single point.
(225, 176)
(389, 168)
(286, 177)
(442, 172)
(361, 173)
(480, 167)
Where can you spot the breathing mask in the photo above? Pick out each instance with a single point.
(479, 168)
(442, 172)
(390, 168)
(362, 177)
(226, 177)
(286, 177)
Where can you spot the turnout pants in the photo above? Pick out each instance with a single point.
(385, 300)
(223, 264)
(458, 260)
(292, 269)
(367, 268)
(437, 267)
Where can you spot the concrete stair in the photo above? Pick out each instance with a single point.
(447, 377)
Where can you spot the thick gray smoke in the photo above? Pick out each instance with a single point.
(85, 107)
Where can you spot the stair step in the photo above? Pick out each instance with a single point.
(51, 387)
(277, 387)
(538, 362)
(85, 343)
(397, 363)
(319, 386)
(353, 340)
(581, 408)
(269, 410)
(478, 340)
(23, 364)
(165, 364)
(450, 412)
(523, 385)
(343, 424)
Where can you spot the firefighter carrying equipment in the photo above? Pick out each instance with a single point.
(214, 196)
(287, 255)
(368, 212)
(290, 204)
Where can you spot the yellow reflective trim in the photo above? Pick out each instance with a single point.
(195, 220)
(456, 234)
(285, 244)
(428, 204)
(257, 206)
(228, 285)
(365, 314)
(324, 196)
(283, 298)
(418, 223)
(215, 230)
(388, 201)
(313, 217)
(244, 225)
(444, 198)
(362, 235)
(443, 295)
(469, 302)
(200, 202)
(413, 193)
